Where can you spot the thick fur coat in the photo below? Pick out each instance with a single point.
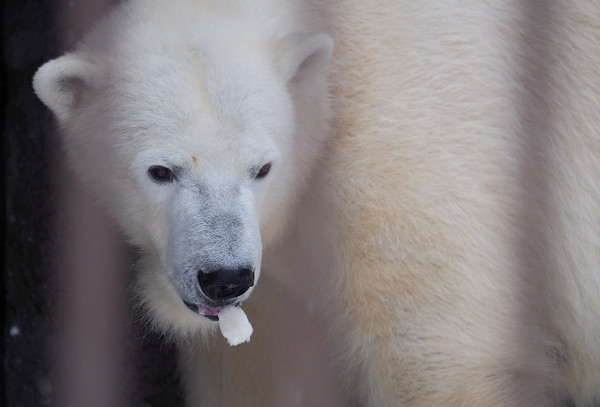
(430, 228)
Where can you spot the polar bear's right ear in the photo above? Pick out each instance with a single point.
(303, 54)
(60, 82)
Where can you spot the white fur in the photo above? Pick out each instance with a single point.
(53, 83)
(238, 117)
(445, 248)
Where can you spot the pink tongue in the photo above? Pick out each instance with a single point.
(210, 310)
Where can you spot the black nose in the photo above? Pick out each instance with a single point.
(226, 284)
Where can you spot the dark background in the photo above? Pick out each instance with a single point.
(34, 31)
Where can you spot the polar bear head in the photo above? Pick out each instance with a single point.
(196, 130)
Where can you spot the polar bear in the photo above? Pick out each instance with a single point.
(409, 218)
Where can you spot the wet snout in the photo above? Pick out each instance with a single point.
(226, 284)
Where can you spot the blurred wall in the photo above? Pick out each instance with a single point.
(40, 285)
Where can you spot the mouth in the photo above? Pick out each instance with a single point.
(211, 313)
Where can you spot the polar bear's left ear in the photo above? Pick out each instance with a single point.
(60, 83)
(302, 55)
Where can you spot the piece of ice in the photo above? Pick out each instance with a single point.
(14, 331)
(234, 325)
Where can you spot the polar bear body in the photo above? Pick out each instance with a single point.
(428, 230)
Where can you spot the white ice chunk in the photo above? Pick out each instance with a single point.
(234, 325)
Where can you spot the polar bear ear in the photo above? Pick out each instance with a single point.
(304, 54)
(59, 83)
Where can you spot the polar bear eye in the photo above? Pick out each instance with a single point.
(264, 170)
(161, 174)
